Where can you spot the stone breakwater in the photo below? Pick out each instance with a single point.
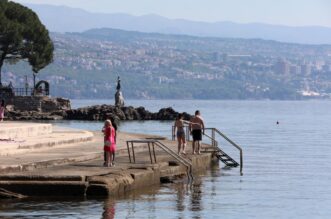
(98, 113)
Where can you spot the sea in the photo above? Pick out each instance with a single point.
(286, 166)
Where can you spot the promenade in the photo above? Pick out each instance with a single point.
(40, 160)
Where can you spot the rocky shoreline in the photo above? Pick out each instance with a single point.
(98, 113)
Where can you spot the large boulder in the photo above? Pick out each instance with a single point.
(166, 114)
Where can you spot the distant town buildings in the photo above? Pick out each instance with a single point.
(82, 66)
(282, 67)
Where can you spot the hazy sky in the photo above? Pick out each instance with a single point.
(288, 12)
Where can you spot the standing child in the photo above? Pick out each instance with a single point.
(109, 142)
(103, 130)
(2, 110)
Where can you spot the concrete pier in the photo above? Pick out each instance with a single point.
(76, 169)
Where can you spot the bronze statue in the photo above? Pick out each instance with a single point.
(119, 99)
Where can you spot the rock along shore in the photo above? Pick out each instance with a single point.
(98, 113)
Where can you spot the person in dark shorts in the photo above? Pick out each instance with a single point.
(197, 128)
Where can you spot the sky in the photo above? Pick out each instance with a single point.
(284, 12)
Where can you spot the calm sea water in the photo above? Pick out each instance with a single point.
(286, 167)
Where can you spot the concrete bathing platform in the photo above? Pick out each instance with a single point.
(92, 179)
(76, 168)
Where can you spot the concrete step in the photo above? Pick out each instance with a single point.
(14, 130)
(54, 156)
(31, 144)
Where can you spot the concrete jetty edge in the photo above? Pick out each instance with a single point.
(77, 169)
(106, 182)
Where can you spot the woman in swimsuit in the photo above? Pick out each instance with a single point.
(179, 127)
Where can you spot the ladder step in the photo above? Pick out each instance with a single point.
(226, 160)
(232, 165)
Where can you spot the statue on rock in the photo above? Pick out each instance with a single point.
(119, 99)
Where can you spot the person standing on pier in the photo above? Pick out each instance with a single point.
(109, 142)
(114, 124)
(180, 133)
(197, 128)
(2, 110)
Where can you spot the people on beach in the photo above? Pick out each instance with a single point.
(180, 133)
(109, 142)
(197, 128)
(2, 110)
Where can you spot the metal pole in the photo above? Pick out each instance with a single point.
(26, 85)
(188, 133)
(34, 83)
(150, 153)
(173, 133)
(134, 156)
(241, 162)
(127, 144)
(213, 137)
(154, 152)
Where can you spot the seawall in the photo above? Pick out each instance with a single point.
(89, 179)
(76, 169)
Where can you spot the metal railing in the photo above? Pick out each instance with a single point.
(23, 91)
(214, 130)
(151, 143)
(30, 92)
(213, 140)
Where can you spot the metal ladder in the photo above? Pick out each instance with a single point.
(219, 153)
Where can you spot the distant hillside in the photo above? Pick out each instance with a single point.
(65, 19)
(160, 66)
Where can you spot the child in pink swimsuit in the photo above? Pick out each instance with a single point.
(109, 142)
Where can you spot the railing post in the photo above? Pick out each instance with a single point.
(127, 144)
(241, 162)
(213, 137)
(173, 133)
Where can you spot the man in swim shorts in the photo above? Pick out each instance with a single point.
(197, 128)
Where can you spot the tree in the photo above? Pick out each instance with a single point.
(23, 37)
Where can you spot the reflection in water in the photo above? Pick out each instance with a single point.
(196, 198)
(109, 209)
(181, 193)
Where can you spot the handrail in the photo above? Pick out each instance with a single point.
(183, 161)
(215, 143)
(233, 144)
